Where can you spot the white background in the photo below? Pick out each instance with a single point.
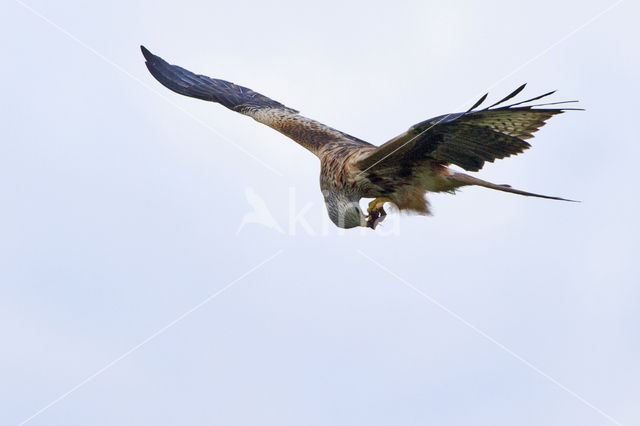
(119, 212)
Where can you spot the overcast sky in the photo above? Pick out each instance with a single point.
(164, 261)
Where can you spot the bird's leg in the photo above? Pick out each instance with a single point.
(376, 212)
(377, 206)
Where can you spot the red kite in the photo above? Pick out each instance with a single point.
(399, 171)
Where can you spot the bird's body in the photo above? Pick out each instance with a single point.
(399, 171)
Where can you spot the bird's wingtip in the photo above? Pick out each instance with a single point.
(146, 53)
(567, 199)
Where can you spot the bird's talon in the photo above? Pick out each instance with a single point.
(377, 205)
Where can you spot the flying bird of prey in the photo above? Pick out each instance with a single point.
(399, 171)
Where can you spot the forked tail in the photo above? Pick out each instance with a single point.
(470, 180)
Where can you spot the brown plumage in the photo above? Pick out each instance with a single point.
(399, 171)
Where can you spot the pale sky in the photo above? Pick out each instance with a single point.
(134, 290)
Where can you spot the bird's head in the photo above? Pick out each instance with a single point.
(344, 210)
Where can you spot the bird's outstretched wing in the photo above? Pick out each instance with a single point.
(467, 139)
(308, 133)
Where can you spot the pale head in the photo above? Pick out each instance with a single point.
(344, 210)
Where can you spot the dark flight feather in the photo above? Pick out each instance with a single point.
(509, 96)
(532, 99)
(478, 102)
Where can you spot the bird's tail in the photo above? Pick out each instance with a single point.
(470, 180)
